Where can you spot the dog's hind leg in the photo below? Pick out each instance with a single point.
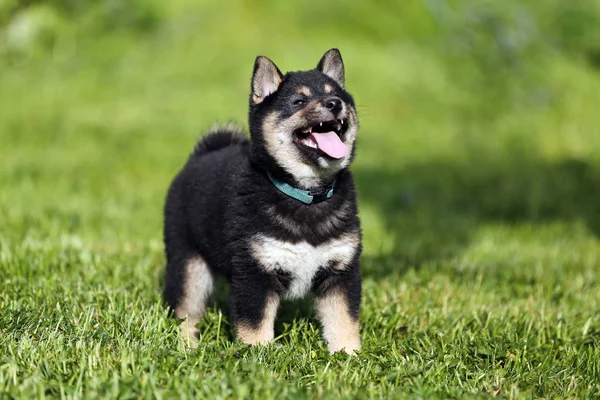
(188, 288)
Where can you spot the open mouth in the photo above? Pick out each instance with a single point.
(325, 137)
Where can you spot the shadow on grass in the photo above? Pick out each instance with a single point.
(432, 209)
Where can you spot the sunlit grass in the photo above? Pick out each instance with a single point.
(478, 192)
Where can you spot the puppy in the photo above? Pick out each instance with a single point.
(275, 215)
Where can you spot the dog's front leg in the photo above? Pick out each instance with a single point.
(337, 308)
(254, 304)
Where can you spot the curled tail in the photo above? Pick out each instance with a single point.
(218, 137)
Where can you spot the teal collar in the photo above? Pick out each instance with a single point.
(305, 196)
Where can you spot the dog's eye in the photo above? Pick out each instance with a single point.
(299, 102)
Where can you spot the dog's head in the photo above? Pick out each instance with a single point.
(303, 122)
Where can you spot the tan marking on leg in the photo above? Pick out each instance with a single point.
(304, 90)
(328, 88)
(340, 330)
(197, 288)
(265, 332)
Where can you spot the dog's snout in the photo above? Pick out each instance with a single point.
(334, 105)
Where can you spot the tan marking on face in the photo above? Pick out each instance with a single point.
(328, 88)
(279, 141)
(197, 289)
(340, 330)
(304, 90)
(315, 107)
(265, 332)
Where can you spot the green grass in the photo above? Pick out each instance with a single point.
(478, 171)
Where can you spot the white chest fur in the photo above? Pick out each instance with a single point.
(302, 260)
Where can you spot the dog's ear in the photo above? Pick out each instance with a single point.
(332, 65)
(265, 79)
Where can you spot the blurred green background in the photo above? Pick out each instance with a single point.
(470, 110)
(478, 159)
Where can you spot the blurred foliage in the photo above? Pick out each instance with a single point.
(495, 34)
(33, 25)
(491, 49)
(107, 14)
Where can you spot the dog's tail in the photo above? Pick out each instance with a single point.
(218, 137)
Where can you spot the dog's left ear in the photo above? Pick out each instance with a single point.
(265, 79)
(331, 64)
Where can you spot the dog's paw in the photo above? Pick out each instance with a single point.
(348, 348)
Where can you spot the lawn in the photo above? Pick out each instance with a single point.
(478, 171)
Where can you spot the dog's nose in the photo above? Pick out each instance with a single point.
(334, 105)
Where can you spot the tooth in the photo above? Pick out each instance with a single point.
(320, 124)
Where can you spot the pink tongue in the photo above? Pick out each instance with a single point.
(330, 144)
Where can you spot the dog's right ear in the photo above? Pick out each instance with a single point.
(332, 65)
(265, 79)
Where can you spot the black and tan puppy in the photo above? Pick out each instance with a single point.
(277, 215)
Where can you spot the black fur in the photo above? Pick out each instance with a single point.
(222, 198)
(219, 139)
